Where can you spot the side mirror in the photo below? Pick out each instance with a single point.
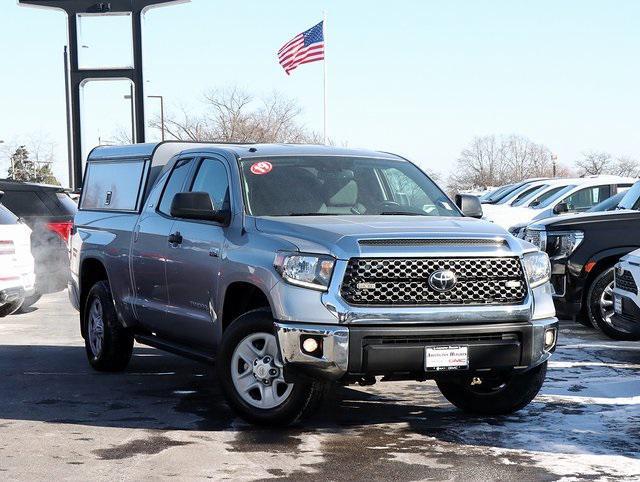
(561, 208)
(469, 205)
(197, 205)
(1, 195)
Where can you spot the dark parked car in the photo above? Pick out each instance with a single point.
(48, 211)
(609, 204)
(584, 249)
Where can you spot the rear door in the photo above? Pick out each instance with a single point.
(194, 263)
(148, 254)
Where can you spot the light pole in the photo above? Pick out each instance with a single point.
(161, 111)
(554, 158)
(133, 114)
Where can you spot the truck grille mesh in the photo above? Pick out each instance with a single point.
(626, 282)
(404, 281)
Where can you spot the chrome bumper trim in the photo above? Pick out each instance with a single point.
(334, 361)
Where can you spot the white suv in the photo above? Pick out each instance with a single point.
(559, 197)
(17, 276)
(626, 302)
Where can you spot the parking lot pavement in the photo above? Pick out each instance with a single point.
(164, 417)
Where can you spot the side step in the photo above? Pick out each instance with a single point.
(174, 348)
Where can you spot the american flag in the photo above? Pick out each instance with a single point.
(303, 48)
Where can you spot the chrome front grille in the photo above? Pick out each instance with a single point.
(625, 281)
(405, 281)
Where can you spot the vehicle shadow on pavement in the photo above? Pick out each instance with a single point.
(159, 391)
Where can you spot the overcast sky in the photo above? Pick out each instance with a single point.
(420, 78)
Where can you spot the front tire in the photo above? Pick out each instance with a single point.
(494, 396)
(249, 369)
(600, 306)
(108, 344)
(11, 307)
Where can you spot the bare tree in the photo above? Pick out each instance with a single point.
(481, 163)
(594, 163)
(626, 166)
(233, 115)
(493, 161)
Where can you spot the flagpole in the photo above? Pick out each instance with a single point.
(324, 73)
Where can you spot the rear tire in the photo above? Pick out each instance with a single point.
(11, 307)
(248, 351)
(108, 344)
(600, 306)
(495, 396)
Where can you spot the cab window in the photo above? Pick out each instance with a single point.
(212, 178)
(586, 198)
(174, 185)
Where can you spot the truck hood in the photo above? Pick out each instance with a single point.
(339, 235)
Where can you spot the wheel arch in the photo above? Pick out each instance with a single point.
(92, 270)
(239, 298)
(603, 261)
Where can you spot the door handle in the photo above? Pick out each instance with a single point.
(214, 252)
(175, 238)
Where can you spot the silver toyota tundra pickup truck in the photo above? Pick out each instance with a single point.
(294, 268)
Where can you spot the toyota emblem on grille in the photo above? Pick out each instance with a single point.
(443, 280)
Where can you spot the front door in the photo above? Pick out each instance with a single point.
(149, 251)
(193, 263)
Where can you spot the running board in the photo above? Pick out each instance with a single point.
(174, 348)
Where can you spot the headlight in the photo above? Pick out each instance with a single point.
(537, 237)
(537, 268)
(307, 270)
(561, 245)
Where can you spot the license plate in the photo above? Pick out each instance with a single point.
(617, 304)
(446, 357)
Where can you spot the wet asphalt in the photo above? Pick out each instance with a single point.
(164, 418)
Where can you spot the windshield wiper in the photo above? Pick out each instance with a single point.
(401, 213)
(313, 214)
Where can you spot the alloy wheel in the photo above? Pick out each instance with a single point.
(606, 303)
(257, 372)
(96, 327)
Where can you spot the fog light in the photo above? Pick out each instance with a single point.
(549, 338)
(311, 345)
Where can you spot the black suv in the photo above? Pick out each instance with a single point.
(584, 249)
(48, 211)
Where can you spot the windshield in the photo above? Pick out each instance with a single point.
(501, 193)
(546, 199)
(527, 196)
(608, 204)
(321, 186)
(518, 194)
(488, 194)
(630, 198)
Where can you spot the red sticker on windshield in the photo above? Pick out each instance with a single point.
(261, 168)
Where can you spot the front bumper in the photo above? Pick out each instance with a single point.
(629, 319)
(398, 351)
